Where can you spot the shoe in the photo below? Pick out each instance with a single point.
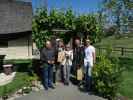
(90, 93)
(52, 87)
(66, 83)
(57, 83)
(46, 88)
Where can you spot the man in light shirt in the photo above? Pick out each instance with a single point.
(89, 60)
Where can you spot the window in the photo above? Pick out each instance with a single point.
(3, 44)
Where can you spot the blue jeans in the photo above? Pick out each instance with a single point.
(88, 77)
(48, 76)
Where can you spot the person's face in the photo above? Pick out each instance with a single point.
(61, 44)
(48, 45)
(87, 43)
(77, 42)
(67, 48)
(8, 70)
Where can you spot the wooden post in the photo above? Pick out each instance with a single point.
(99, 50)
(122, 51)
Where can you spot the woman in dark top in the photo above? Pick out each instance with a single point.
(78, 56)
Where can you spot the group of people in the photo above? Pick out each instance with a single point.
(61, 62)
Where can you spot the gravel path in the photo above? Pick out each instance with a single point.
(60, 93)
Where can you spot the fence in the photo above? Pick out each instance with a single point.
(119, 51)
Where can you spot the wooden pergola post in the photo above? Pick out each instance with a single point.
(56, 33)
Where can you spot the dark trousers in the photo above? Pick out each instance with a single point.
(48, 76)
(59, 73)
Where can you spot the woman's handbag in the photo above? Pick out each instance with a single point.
(79, 74)
(61, 56)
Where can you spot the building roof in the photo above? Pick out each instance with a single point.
(15, 16)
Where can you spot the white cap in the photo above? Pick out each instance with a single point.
(58, 39)
(88, 40)
(7, 65)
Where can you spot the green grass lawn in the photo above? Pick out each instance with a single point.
(126, 87)
(122, 42)
(112, 41)
(19, 81)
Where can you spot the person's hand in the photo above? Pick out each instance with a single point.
(67, 56)
(49, 62)
(52, 62)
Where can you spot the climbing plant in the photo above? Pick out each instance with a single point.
(84, 25)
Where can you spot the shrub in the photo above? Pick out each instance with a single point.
(106, 77)
(20, 65)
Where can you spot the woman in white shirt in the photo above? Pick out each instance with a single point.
(67, 64)
(60, 60)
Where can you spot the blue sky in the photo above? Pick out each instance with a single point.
(79, 6)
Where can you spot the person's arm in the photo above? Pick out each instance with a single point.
(82, 55)
(43, 56)
(72, 55)
(94, 55)
(54, 56)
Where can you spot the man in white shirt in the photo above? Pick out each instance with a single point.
(89, 60)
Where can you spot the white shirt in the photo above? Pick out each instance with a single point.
(68, 54)
(88, 59)
(5, 79)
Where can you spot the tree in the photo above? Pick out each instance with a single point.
(44, 22)
(110, 30)
(118, 11)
